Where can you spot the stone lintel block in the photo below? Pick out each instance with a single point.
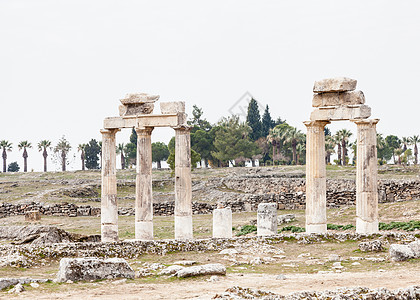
(139, 98)
(90, 268)
(338, 99)
(349, 112)
(172, 107)
(338, 84)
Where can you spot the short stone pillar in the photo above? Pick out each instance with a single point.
(109, 207)
(32, 215)
(183, 191)
(366, 177)
(222, 222)
(144, 198)
(267, 219)
(316, 190)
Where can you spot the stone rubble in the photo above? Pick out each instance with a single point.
(399, 252)
(208, 269)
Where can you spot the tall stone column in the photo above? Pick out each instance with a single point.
(144, 198)
(109, 206)
(316, 192)
(183, 192)
(366, 177)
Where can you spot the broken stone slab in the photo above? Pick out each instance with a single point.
(167, 108)
(267, 219)
(287, 218)
(338, 84)
(209, 269)
(171, 270)
(185, 262)
(399, 252)
(137, 104)
(337, 99)
(33, 215)
(89, 268)
(338, 113)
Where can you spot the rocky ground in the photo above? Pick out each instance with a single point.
(267, 268)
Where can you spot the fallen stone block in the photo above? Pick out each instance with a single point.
(76, 269)
(399, 252)
(33, 215)
(336, 99)
(341, 113)
(338, 84)
(171, 270)
(209, 269)
(172, 107)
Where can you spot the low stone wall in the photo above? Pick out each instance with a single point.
(241, 194)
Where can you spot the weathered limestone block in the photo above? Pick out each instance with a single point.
(399, 252)
(172, 107)
(338, 84)
(137, 104)
(89, 268)
(33, 215)
(222, 223)
(209, 269)
(267, 219)
(350, 112)
(338, 99)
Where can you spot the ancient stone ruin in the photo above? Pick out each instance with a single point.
(334, 100)
(136, 112)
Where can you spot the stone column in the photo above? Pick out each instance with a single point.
(109, 206)
(267, 219)
(366, 177)
(222, 223)
(183, 192)
(316, 191)
(144, 198)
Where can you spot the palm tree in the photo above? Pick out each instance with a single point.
(413, 141)
(337, 141)
(120, 150)
(300, 149)
(43, 146)
(81, 148)
(62, 148)
(273, 139)
(405, 141)
(329, 148)
(24, 145)
(399, 152)
(294, 136)
(345, 135)
(7, 147)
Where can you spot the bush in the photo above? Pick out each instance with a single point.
(292, 228)
(407, 226)
(340, 227)
(13, 167)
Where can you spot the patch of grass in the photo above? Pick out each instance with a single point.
(407, 226)
(340, 227)
(247, 229)
(292, 228)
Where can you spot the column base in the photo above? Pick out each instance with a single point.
(183, 227)
(109, 233)
(144, 230)
(316, 228)
(366, 227)
(261, 231)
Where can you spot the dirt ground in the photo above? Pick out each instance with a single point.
(202, 289)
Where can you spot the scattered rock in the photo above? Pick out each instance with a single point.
(76, 269)
(116, 282)
(17, 289)
(280, 277)
(213, 278)
(256, 261)
(185, 262)
(229, 251)
(356, 263)
(337, 265)
(304, 255)
(371, 246)
(209, 269)
(334, 257)
(281, 219)
(34, 285)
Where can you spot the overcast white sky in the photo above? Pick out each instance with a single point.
(64, 65)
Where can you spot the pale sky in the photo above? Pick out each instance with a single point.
(64, 65)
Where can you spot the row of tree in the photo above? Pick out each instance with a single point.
(232, 142)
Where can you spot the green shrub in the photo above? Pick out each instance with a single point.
(247, 229)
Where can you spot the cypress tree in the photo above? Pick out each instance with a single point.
(253, 119)
(267, 122)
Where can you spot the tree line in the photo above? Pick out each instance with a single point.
(230, 142)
